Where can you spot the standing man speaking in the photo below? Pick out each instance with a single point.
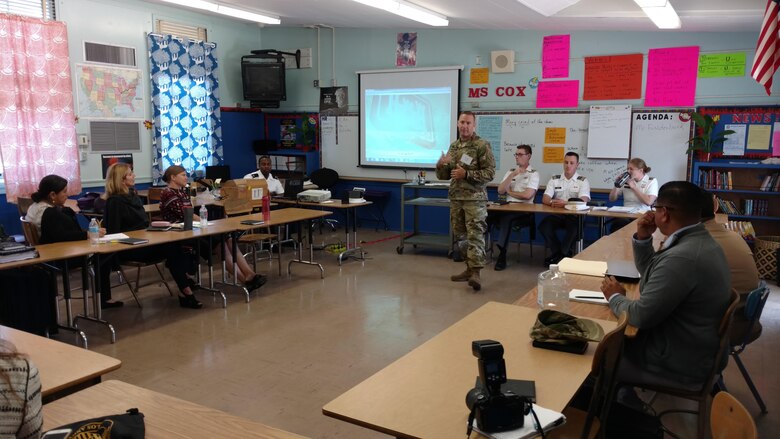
(470, 164)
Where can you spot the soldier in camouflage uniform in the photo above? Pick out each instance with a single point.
(470, 164)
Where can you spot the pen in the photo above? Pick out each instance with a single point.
(590, 297)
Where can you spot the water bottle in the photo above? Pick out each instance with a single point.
(203, 213)
(93, 232)
(266, 208)
(553, 290)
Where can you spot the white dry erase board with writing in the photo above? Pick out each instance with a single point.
(550, 135)
(656, 139)
(609, 130)
(660, 138)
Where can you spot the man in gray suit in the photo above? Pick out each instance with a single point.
(684, 293)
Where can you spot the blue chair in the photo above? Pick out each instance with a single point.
(754, 306)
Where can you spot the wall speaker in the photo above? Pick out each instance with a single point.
(502, 61)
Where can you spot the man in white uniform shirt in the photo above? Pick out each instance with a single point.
(275, 187)
(559, 190)
(519, 185)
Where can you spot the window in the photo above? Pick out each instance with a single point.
(30, 8)
(194, 33)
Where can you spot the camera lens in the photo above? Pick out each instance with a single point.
(474, 397)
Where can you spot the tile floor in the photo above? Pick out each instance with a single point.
(301, 341)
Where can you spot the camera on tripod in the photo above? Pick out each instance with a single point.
(494, 409)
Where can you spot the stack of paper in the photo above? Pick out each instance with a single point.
(580, 266)
(113, 237)
(548, 418)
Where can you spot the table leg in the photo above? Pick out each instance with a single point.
(210, 262)
(68, 309)
(354, 248)
(299, 254)
(96, 299)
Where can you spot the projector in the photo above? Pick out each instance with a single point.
(314, 196)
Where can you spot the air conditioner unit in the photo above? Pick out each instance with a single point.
(502, 61)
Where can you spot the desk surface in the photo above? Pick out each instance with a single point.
(60, 365)
(164, 416)
(534, 208)
(330, 204)
(422, 394)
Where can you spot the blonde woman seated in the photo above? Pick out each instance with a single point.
(125, 212)
(175, 198)
(637, 189)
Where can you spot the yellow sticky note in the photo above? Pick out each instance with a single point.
(552, 154)
(479, 76)
(555, 136)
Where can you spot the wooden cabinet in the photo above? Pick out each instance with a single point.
(749, 188)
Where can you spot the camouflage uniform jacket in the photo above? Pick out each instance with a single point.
(479, 172)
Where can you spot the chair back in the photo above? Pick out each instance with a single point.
(325, 178)
(604, 367)
(30, 231)
(754, 307)
(154, 194)
(723, 348)
(254, 184)
(236, 199)
(23, 203)
(730, 419)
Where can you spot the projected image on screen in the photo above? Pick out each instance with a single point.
(407, 117)
(407, 125)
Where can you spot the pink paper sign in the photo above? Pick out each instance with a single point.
(555, 56)
(776, 141)
(557, 94)
(671, 77)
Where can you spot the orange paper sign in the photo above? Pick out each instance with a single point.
(556, 136)
(552, 154)
(613, 77)
(479, 76)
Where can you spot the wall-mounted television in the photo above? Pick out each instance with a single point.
(264, 83)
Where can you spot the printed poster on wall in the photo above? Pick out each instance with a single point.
(613, 77)
(717, 65)
(406, 49)
(333, 100)
(287, 131)
(671, 77)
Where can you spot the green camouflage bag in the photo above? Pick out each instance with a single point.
(561, 328)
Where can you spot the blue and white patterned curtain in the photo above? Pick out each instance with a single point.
(185, 97)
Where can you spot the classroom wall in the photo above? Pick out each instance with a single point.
(126, 23)
(366, 49)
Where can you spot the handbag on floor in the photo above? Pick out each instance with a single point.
(129, 425)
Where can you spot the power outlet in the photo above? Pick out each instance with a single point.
(316, 83)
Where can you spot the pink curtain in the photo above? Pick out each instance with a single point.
(37, 122)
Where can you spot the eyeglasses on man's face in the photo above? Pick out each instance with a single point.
(656, 206)
(521, 154)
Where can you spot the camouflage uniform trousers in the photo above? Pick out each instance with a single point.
(468, 220)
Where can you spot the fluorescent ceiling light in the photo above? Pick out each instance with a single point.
(548, 7)
(408, 10)
(226, 10)
(661, 12)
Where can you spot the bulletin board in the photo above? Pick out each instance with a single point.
(757, 130)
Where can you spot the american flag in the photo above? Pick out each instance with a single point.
(767, 59)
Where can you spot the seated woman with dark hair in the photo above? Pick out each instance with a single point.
(58, 223)
(175, 198)
(125, 213)
(20, 395)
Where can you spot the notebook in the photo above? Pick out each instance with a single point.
(587, 296)
(624, 271)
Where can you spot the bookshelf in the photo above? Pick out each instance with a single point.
(748, 190)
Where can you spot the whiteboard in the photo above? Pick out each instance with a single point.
(609, 128)
(661, 138)
(660, 141)
(566, 131)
